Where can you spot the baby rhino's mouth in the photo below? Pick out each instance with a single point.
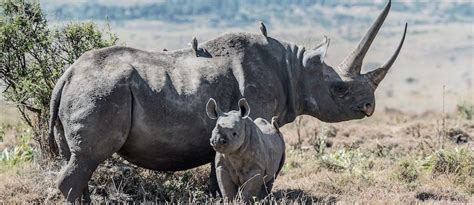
(218, 144)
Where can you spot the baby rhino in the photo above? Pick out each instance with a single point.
(250, 154)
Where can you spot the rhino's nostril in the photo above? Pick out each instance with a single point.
(368, 109)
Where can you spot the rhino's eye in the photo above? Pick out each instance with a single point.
(234, 134)
(340, 89)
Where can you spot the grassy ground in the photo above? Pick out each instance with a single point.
(391, 157)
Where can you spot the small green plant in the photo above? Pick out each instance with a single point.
(466, 110)
(407, 171)
(21, 153)
(320, 145)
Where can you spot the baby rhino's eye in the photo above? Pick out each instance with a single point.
(234, 134)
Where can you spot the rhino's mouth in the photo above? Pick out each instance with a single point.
(366, 114)
(218, 147)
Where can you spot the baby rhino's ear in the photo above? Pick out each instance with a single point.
(275, 123)
(212, 110)
(244, 108)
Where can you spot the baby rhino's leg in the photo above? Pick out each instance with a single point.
(253, 186)
(227, 187)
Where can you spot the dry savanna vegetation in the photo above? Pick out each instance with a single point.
(391, 157)
(395, 156)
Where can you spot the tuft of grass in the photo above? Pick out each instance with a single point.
(320, 145)
(457, 162)
(407, 172)
(466, 110)
(346, 183)
(351, 160)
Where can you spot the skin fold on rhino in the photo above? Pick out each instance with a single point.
(148, 106)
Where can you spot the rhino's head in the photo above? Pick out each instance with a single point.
(343, 92)
(229, 133)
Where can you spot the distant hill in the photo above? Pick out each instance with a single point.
(243, 12)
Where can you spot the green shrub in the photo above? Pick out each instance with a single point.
(33, 56)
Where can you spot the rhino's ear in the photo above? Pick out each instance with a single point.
(212, 110)
(244, 108)
(317, 54)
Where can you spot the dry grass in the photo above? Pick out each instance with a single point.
(392, 157)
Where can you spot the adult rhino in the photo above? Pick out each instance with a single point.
(148, 106)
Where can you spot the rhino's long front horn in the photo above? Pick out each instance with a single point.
(377, 75)
(353, 63)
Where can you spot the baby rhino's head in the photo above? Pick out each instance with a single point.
(229, 133)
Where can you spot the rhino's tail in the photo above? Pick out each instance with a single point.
(53, 111)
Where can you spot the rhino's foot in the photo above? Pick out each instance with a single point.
(214, 188)
(86, 196)
(74, 179)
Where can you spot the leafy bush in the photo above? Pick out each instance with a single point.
(33, 56)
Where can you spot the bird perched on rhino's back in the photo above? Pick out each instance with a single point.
(250, 154)
(147, 106)
(194, 45)
(263, 29)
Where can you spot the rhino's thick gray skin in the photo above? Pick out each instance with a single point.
(147, 106)
(249, 155)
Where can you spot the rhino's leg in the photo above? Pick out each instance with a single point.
(93, 135)
(83, 162)
(252, 187)
(74, 177)
(213, 185)
(227, 187)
